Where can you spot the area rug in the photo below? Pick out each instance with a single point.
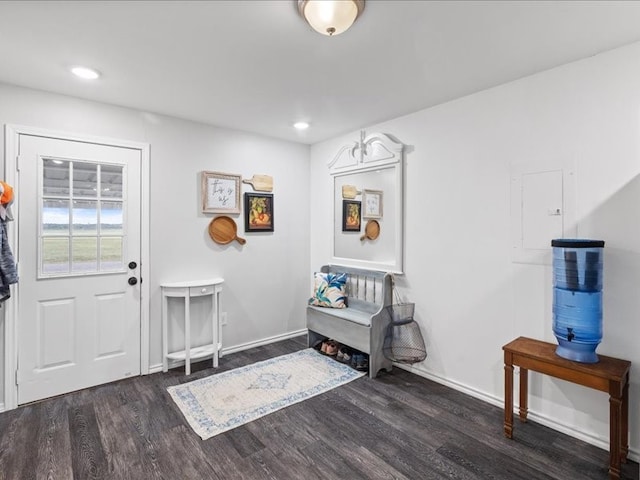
(223, 401)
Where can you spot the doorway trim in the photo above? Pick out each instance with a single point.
(12, 133)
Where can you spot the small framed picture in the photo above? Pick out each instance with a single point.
(220, 192)
(258, 212)
(372, 200)
(351, 213)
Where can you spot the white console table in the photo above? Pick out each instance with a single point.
(186, 291)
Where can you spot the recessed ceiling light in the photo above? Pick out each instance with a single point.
(85, 73)
(301, 125)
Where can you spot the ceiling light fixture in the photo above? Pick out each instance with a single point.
(301, 125)
(330, 17)
(85, 73)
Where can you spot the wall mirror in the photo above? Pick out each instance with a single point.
(368, 227)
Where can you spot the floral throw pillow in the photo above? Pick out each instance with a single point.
(329, 290)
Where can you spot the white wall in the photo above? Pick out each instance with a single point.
(471, 298)
(265, 287)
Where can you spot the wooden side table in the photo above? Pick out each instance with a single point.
(609, 375)
(186, 291)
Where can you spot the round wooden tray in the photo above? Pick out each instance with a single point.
(223, 230)
(371, 231)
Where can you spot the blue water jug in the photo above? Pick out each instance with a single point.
(577, 297)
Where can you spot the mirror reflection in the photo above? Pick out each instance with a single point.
(353, 243)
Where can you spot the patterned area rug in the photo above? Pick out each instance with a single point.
(223, 401)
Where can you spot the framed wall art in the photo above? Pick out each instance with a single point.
(258, 212)
(220, 192)
(351, 214)
(372, 200)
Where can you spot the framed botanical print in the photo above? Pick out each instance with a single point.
(220, 192)
(372, 200)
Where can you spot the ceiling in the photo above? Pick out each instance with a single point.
(257, 66)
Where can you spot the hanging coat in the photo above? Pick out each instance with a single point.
(8, 271)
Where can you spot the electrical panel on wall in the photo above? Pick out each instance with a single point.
(542, 208)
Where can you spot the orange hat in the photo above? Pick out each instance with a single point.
(6, 199)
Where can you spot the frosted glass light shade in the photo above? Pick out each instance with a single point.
(330, 17)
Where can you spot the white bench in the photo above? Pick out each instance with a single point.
(363, 324)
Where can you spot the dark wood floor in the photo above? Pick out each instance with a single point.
(397, 426)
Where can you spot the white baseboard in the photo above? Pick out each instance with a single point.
(264, 341)
(498, 402)
(1, 407)
(236, 348)
(553, 423)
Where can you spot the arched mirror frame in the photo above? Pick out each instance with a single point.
(379, 154)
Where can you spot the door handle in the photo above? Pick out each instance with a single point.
(132, 265)
(132, 280)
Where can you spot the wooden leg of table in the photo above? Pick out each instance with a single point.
(615, 418)
(524, 394)
(624, 430)
(508, 400)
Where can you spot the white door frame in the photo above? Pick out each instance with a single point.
(11, 313)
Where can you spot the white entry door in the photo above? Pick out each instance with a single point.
(78, 322)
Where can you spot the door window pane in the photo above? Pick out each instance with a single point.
(84, 254)
(85, 217)
(111, 254)
(82, 217)
(85, 179)
(56, 177)
(55, 255)
(111, 218)
(55, 217)
(111, 181)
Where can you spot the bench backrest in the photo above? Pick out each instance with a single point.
(368, 290)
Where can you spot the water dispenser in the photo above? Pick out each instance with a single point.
(577, 297)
